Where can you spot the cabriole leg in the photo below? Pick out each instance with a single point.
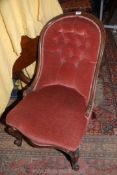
(74, 159)
(15, 133)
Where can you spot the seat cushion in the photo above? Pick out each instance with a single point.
(53, 115)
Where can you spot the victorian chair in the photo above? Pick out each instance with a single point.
(57, 106)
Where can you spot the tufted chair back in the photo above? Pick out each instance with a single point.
(69, 52)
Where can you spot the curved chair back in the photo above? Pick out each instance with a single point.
(71, 47)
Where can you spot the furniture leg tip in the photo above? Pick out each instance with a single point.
(75, 167)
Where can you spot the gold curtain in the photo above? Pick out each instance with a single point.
(17, 18)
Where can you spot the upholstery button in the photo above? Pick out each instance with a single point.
(76, 65)
(63, 61)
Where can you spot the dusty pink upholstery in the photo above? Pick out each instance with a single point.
(60, 120)
(71, 46)
(54, 112)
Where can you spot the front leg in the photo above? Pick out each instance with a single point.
(15, 133)
(74, 155)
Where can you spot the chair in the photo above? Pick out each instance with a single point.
(57, 106)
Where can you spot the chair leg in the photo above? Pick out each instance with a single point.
(93, 116)
(15, 133)
(74, 159)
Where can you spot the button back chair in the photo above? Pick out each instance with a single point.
(56, 108)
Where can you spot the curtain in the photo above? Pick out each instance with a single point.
(18, 18)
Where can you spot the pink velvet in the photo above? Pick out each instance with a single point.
(54, 113)
(70, 51)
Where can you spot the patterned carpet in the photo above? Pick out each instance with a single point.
(98, 151)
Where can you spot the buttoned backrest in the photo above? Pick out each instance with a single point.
(69, 50)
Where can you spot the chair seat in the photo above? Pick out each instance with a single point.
(60, 106)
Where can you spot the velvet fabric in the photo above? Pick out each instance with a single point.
(70, 50)
(54, 115)
(54, 112)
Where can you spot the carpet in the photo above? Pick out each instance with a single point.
(98, 151)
